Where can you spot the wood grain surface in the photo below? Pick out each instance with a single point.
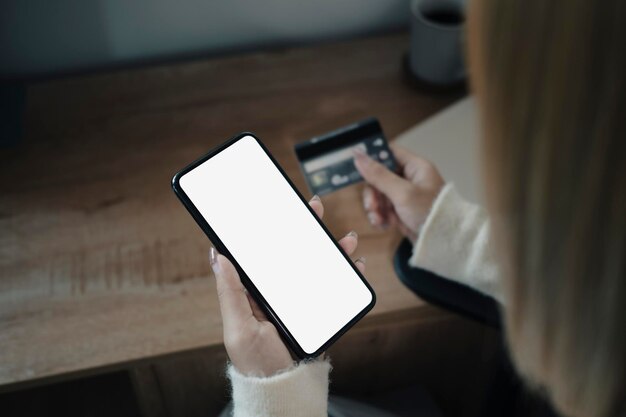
(100, 265)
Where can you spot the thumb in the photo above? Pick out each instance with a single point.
(234, 303)
(380, 177)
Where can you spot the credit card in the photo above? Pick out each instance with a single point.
(327, 161)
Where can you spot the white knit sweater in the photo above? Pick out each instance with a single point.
(454, 243)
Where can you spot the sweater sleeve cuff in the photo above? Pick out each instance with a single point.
(454, 243)
(301, 390)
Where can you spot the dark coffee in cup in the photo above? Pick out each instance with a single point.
(445, 17)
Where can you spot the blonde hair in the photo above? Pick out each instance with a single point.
(551, 81)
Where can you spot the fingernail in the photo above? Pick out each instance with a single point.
(360, 155)
(213, 258)
(358, 151)
(315, 198)
(353, 234)
(361, 259)
(367, 199)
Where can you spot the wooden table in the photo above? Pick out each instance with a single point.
(100, 265)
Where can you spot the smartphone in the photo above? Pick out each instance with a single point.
(286, 258)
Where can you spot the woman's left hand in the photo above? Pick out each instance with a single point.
(252, 342)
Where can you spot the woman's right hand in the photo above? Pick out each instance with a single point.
(402, 200)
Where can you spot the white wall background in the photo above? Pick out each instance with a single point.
(49, 36)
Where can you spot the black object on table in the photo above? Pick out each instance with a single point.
(443, 292)
(506, 393)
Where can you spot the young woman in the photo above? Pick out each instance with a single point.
(550, 80)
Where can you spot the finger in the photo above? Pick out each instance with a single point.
(360, 264)
(234, 303)
(403, 156)
(376, 174)
(411, 164)
(372, 199)
(256, 310)
(376, 202)
(369, 199)
(317, 206)
(383, 207)
(371, 203)
(375, 219)
(349, 242)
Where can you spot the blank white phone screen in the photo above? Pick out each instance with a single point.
(290, 259)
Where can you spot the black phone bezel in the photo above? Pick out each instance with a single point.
(246, 281)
